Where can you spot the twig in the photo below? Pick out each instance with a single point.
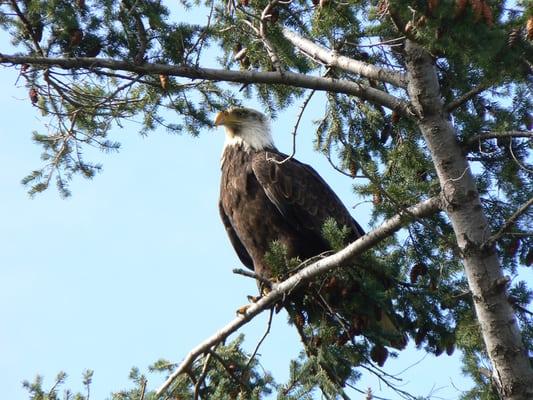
(269, 324)
(402, 393)
(227, 368)
(520, 165)
(253, 275)
(202, 376)
(387, 228)
(295, 130)
(512, 219)
(392, 42)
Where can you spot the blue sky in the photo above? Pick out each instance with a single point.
(136, 266)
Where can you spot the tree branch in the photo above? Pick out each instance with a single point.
(452, 106)
(331, 58)
(420, 210)
(512, 219)
(469, 144)
(276, 78)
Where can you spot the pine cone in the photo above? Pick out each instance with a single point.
(460, 7)
(432, 5)
(76, 36)
(477, 8)
(376, 198)
(514, 35)
(420, 335)
(379, 354)
(450, 348)
(529, 258)
(529, 28)
(164, 81)
(34, 96)
(418, 270)
(487, 15)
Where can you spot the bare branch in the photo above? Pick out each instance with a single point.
(420, 210)
(331, 58)
(277, 78)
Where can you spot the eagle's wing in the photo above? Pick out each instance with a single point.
(300, 194)
(244, 256)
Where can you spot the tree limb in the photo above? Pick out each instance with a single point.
(420, 210)
(276, 78)
(331, 58)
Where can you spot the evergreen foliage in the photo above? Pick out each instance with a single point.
(483, 52)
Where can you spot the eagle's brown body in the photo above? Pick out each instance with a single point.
(266, 197)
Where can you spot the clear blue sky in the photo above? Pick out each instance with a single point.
(136, 266)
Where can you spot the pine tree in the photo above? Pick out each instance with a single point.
(428, 101)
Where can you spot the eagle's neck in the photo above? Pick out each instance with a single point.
(249, 137)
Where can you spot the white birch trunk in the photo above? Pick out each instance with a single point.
(512, 372)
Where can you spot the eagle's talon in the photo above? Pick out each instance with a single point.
(253, 299)
(242, 310)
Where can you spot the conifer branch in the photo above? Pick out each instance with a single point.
(389, 227)
(286, 78)
(333, 59)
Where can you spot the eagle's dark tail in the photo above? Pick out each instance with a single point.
(348, 318)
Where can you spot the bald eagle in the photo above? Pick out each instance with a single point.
(266, 197)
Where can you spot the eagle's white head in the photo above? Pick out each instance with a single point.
(247, 127)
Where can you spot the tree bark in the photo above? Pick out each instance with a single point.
(512, 373)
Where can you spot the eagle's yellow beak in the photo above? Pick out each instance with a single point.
(226, 118)
(220, 118)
